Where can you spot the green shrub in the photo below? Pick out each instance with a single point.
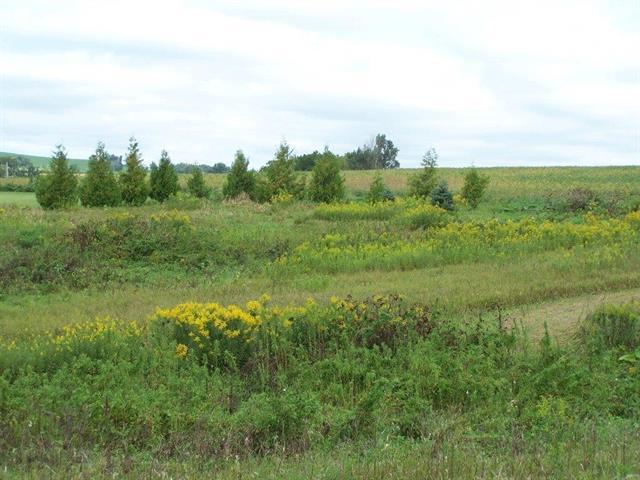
(421, 184)
(58, 189)
(327, 184)
(239, 179)
(280, 174)
(442, 197)
(133, 184)
(100, 187)
(424, 216)
(474, 187)
(196, 185)
(163, 179)
(377, 370)
(612, 326)
(378, 191)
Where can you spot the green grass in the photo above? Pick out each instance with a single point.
(467, 400)
(43, 162)
(25, 199)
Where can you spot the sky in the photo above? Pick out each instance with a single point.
(486, 83)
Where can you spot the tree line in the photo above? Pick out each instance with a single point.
(278, 179)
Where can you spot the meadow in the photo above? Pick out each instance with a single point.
(229, 339)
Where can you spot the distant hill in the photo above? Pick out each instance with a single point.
(43, 162)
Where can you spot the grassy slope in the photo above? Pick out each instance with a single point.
(43, 162)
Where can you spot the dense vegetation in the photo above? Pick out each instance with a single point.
(136, 341)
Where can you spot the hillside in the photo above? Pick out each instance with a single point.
(43, 162)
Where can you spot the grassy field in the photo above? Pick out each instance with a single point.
(238, 340)
(24, 199)
(43, 162)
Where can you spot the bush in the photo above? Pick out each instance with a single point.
(164, 179)
(239, 179)
(196, 185)
(133, 180)
(20, 187)
(612, 326)
(58, 189)
(280, 174)
(100, 187)
(422, 183)
(327, 184)
(442, 196)
(378, 191)
(424, 216)
(474, 187)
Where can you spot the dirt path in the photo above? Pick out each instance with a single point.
(563, 315)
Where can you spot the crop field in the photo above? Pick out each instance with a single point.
(230, 339)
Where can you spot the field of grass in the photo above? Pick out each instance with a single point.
(238, 340)
(24, 199)
(43, 162)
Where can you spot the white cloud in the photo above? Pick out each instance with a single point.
(482, 81)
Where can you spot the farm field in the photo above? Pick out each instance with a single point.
(229, 339)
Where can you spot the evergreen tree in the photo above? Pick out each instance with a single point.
(100, 187)
(281, 175)
(239, 179)
(422, 183)
(474, 187)
(442, 197)
(58, 189)
(163, 179)
(133, 185)
(196, 185)
(327, 184)
(378, 191)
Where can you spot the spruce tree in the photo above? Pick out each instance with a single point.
(239, 179)
(377, 189)
(163, 179)
(474, 187)
(281, 175)
(196, 185)
(58, 189)
(422, 183)
(100, 187)
(133, 184)
(327, 184)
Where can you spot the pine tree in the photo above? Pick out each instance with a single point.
(281, 175)
(239, 179)
(197, 187)
(100, 187)
(441, 196)
(164, 179)
(133, 185)
(422, 183)
(377, 189)
(327, 184)
(474, 187)
(58, 189)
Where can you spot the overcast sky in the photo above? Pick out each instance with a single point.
(484, 82)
